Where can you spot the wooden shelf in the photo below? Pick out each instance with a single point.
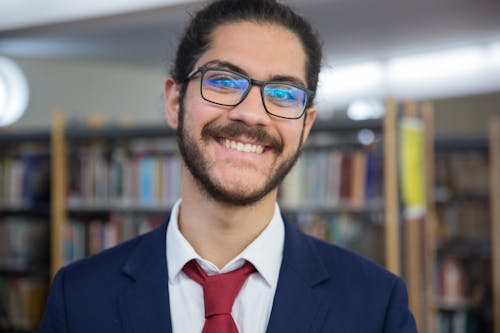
(15, 330)
(465, 248)
(42, 210)
(22, 136)
(460, 144)
(151, 131)
(22, 271)
(116, 132)
(85, 209)
(371, 207)
(495, 217)
(443, 304)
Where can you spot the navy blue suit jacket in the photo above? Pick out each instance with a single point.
(321, 288)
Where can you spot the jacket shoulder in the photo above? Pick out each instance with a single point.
(351, 262)
(376, 295)
(110, 261)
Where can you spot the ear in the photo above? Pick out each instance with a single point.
(311, 116)
(172, 102)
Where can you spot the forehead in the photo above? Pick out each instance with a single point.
(263, 50)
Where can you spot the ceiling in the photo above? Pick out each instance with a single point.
(352, 31)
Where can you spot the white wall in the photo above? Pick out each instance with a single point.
(466, 116)
(115, 92)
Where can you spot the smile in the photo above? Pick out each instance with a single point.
(243, 147)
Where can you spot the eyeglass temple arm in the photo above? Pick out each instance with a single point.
(192, 73)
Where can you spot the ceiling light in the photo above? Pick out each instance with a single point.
(366, 136)
(13, 92)
(494, 53)
(365, 109)
(444, 65)
(358, 77)
(339, 85)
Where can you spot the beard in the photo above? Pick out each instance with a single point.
(199, 167)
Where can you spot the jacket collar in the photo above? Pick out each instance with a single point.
(298, 305)
(144, 305)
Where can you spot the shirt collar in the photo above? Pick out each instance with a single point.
(265, 252)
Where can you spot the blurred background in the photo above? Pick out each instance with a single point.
(418, 76)
(111, 59)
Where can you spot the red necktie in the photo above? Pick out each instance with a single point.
(219, 293)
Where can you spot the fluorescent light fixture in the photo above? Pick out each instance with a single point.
(340, 85)
(365, 109)
(358, 77)
(436, 66)
(14, 92)
(54, 11)
(494, 54)
(460, 71)
(3, 97)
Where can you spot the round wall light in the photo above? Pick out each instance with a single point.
(14, 92)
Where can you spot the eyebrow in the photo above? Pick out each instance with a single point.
(276, 78)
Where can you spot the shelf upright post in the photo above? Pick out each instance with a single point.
(430, 226)
(413, 241)
(495, 218)
(58, 193)
(391, 196)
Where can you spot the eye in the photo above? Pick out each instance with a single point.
(284, 95)
(224, 82)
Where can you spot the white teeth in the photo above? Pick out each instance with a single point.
(250, 148)
(245, 147)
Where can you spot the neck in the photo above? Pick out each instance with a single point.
(218, 231)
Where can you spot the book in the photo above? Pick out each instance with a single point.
(136, 173)
(23, 303)
(24, 242)
(331, 178)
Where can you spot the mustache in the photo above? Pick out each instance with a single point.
(236, 129)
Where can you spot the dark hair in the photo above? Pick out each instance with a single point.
(196, 38)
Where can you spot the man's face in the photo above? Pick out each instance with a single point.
(238, 155)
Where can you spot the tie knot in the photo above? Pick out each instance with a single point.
(219, 291)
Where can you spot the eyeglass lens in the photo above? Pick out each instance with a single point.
(227, 88)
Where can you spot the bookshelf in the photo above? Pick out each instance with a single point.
(465, 235)
(411, 203)
(24, 228)
(113, 186)
(494, 142)
(335, 192)
(340, 190)
(95, 202)
(392, 200)
(116, 188)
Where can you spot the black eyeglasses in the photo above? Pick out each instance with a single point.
(229, 88)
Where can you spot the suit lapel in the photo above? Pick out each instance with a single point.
(298, 306)
(144, 304)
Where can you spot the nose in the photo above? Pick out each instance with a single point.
(251, 110)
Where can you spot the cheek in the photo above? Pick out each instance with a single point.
(292, 133)
(192, 106)
(197, 114)
(199, 111)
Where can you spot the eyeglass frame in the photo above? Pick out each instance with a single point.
(253, 82)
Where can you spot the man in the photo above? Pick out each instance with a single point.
(240, 97)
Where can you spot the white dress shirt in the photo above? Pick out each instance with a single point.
(252, 307)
